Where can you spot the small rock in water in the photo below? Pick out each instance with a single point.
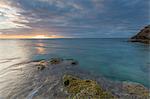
(56, 60)
(41, 67)
(74, 63)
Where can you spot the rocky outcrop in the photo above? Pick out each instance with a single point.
(79, 88)
(143, 36)
(135, 90)
(84, 89)
(42, 64)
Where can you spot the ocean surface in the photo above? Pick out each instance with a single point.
(115, 59)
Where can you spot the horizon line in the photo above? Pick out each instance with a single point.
(61, 38)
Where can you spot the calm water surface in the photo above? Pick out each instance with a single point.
(115, 59)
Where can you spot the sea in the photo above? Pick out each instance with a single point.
(114, 58)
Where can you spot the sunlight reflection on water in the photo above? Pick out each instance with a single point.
(10, 53)
(40, 48)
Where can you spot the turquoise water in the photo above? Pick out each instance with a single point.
(115, 59)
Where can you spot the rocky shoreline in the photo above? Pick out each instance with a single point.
(59, 78)
(78, 88)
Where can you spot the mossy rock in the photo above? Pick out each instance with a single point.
(56, 61)
(82, 89)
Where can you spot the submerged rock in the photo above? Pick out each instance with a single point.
(143, 36)
(84, 89)
(41, 65)
(73, 62)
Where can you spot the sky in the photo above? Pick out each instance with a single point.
(73, 18)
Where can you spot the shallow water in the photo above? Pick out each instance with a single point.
(115, 59)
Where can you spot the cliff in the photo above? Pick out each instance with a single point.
(143, 36)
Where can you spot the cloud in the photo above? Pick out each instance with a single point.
(73, 18)
(9, 16)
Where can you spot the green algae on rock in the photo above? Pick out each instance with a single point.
(81, 89)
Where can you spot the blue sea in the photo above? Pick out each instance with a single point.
(115, 59)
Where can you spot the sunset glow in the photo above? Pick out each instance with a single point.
(41, 37)
(29, 36)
